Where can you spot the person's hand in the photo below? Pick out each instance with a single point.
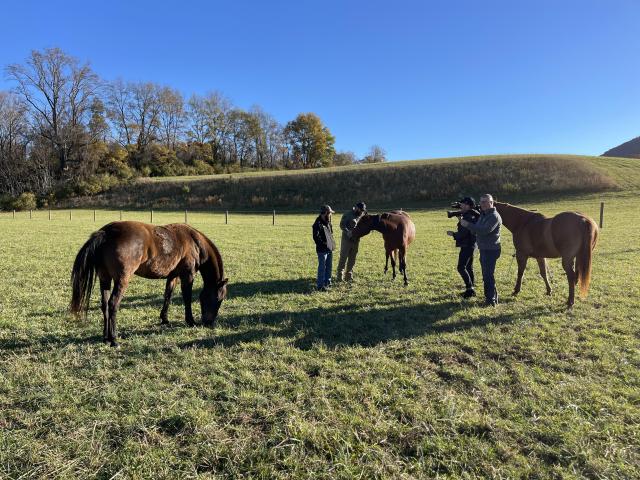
(450, 233)
(464, 222)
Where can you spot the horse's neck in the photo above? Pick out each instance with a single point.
(212, 269)
(513, 217)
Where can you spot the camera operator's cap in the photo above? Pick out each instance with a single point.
(469, 201)
(326, 209)
(362, 206)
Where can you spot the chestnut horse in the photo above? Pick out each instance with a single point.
(398, 231)
(569, 235)
(120, 249)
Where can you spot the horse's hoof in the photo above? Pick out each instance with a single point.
(115, 345)
(548, 293)
(191, 324)
(515, 293)
(164, 322)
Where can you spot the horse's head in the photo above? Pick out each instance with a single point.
(365, 225)
(211, 298)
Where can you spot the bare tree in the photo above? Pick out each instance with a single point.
(171, 116)
(59, 91)
(119, 104)
(376, 155)
(145, 110)
(14, 132)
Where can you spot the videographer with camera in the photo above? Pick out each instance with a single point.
(466, 241)
(487, 230)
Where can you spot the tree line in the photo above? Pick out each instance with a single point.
(64, 131)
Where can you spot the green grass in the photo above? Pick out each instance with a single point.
(371, 380)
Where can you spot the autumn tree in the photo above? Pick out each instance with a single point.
(310, 142)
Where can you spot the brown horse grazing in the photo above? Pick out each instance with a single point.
(569, 235)
(398, 231)
(121, 249)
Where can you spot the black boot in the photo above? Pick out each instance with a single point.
(468, 293)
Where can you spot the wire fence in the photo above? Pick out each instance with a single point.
(221, 217)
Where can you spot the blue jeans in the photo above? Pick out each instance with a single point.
(324, 269)
(488, 259)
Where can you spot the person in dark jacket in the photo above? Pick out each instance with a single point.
(487, 230)
(325, 244)
(466, 241)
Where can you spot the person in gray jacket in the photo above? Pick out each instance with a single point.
(487, 230)
(349, 246)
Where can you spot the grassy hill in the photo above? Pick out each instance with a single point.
(392, 184)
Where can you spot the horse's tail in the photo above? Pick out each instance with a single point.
(83, 273)
(583, 259)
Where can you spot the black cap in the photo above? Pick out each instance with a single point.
(469, 201)
(326, 209)
(362, 206)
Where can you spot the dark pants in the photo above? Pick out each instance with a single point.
(465, 266)
(324, 269)
(488, 259)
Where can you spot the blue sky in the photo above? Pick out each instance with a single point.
(420, 78)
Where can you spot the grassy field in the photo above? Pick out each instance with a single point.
(369, 380)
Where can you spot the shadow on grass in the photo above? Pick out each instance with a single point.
(354, 325)
(333, 325)
(235, 290)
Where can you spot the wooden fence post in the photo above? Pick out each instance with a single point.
(601, 214)
(14, 214)
(94, 215)
(29, 214)
(120, 215)
(185, 217)
(49, 214)
(274, 218)
(226, 217)
(69, 215)
(151, 216)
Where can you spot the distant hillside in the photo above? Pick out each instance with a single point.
(630, 149)
(390, 184)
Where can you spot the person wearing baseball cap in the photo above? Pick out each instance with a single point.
(466, 241)
(325, 244)
(349, 246)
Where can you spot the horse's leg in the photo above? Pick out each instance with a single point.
(386, 263)
(542, 264)
(567, 264)
(403, 264)
(186, 284)
(393, 264)
(168, 291)
(105, 289)
(120, 285)
(522, 265)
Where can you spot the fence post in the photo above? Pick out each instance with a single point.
(185, 217)
(49, 214)
(14, 214)
(120, 215)
(94, 215)
(69, 215)
(29, 214)
(601, 214)
(226, 217)
(151, 216)
(274, 218)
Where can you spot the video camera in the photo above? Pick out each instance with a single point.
(458, 213)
